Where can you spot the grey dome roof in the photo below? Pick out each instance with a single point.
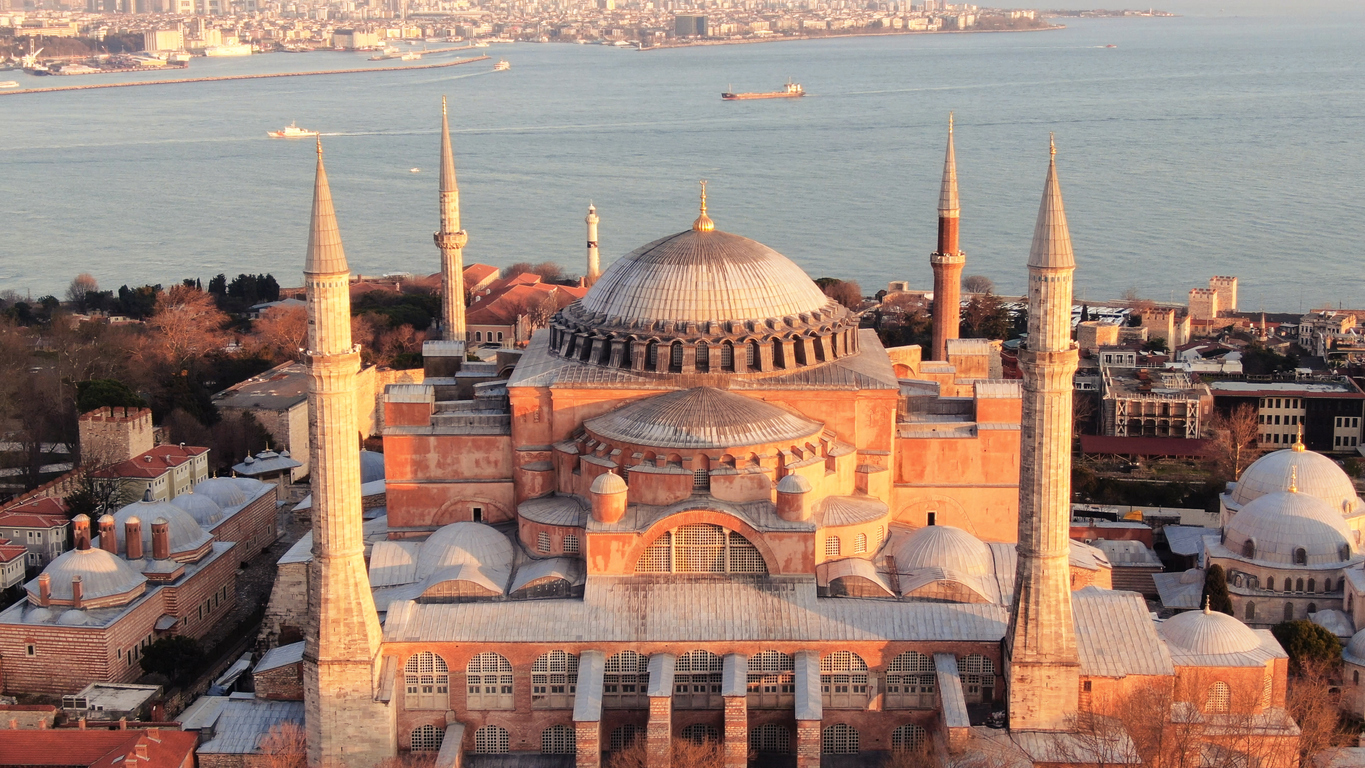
(1317, 476)
(223, 491)
(37, 615)
(102, 575)
(1279, 523)
(249, 485)
(703, 276)
(371, 466)
(947, 548)
(73, 618)
(186, 535)
(200, 506)
(1355, 649)
(701, 418)
(1208, 633)
(793, 484)
(473, 544)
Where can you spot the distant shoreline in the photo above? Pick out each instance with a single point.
(786, 39)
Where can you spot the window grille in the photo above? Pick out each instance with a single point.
(772, 680)
(676, 357)
(626, 680)
(727, 356)
(770, 738)
(839, 739)
(878, 537)
(491, 740)
(652, 355)
(744, 556)
(1249, 549)
(697, 680)
(907, 738)
(426, 738)
(489, 682)
(844, 681)
(1218, 699)
(701, 548)
(542, 542)
(860, 543)
(831, 546)
(570, 544)
(703, 357)
(753, 355)
(978, 678)
(558, 740)
(911, 681)
(701, 733)
(1267, 688)
(625, 736)
(427, 682)
(554, 680)
(701, 480)
(658, 557)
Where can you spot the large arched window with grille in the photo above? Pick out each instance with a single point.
(625, 736)
(697, 679)
(426, 738)
(558, 740)
(626, 681)
(1218, 700)
(908, 738)
(771, 739)
(426, 682)
(488, 681)
(978, 678)
(839, 739)
(701, 548)
(844, 681)
(701, 733)
(772, 680)
(491, 740)
(911, 681)
(554, 680)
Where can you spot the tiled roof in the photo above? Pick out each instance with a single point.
(25, 520)
(98, 749)
(1187, 540)
(282, 656)
(1178, 592)
(152, 463)
(553, 510)
(10, 552)
(1115, 635)
(48, 506)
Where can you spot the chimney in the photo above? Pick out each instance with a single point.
(81, 724)
(161, 539)
(80, 526)
(108, 536)
(77, 591)
(14, 723)
(132, 538)
(44, 590)
(123, 723)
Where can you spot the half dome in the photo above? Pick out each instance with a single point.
(701, 418)
(946, 548)
(1355, 649)
(1208, 633)
(371, 466)
(1275, 527)
(1317, 476)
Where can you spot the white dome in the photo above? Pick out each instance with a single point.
(73, 618)
(945, 547)
(1278, 524)
(609, 482)
(250, 486)
(102, 575)
(200, 507)
(472, 544)
(224, 492)
(371, 466)
(1317, 476)
(186, 535)
(1208, 633)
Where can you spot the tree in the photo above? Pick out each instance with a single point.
(846, 292)
(1234, 438)
(978, 284)
(1082, 410)
(1216, 590)
(685, 753)
(98, 393)
(187, 325)
(985, 318)
(81, 286)
(281, 332)
(285, 745)
(177, 657)
(1157, 345)
(1313, 700)
(548, 271)
(520, 268)
(1307, 644)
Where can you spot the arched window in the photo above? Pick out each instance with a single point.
(831, 546)
(697, 680)
(1355, 677)
(860, 543)
(1251, 611)
(625, 736)
(701, 733)
(911, 681)
(701, 548)
(1312, 585)
(978, 678)
(1298, 585)
(675, 357)
(878, 537)
(626, 681)
(772, 680)
(727, 356)
(1312, 608)
(703, 357)
(843, 680)
(1300, 556)
(558, 740)
(1270, 583)
(554, 680)
(652, 355)
(426, 682)
(1288, 611)
(491, 740)
(426, 738)
(754, 356)
(770, 738)
(542, 542)
(478, 335)
(1345, 552)
(488, 680)
(908, 738)
(839, 739)
(570, 544)
(1249, 549)
(1218, 699)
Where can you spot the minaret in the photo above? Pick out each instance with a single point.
(346, 726)
(594, 266)
(451, 240)
(947, 261)
(1042, 668)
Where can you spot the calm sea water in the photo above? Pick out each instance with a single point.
(1214, 143)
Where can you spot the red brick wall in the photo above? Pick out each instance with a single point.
(256, 521)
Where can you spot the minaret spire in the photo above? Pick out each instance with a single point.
(341, 654)
(948, 261)
(1042, 665)
(594, 266)
(451, 240)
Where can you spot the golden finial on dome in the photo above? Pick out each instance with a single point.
(1294, 479)
(703, 222)
(1052, 143)
(950, 122)
(1299, 447)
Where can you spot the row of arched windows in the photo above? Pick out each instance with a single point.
(1250, 611)
(834, 545)
(1300, 557)
(701, 548)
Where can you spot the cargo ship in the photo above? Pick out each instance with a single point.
(790, 91)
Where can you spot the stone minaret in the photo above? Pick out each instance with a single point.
(594, 266)
(1042, 667)
(346, 727)
(947, 261)
(451, 240)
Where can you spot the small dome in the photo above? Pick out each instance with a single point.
(250, 486)
(473, 544)
(371, 466)
(793, 484)
(102, 575)
(1208, 633)
(224, 492)
(249, 459)
(1280, 524)
(1356, 647)
(200, 507)
(702, 418)
(38, 615)
(945, 547)
(1317, 476)
(609, 482)
(186, 534)
(73, 618)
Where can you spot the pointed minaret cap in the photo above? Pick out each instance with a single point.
(703, 222)
(947, 196)
(325, 255)
(448, 183)
(592, 214)
(1051, 237)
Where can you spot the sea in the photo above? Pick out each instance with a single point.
(1228, 140)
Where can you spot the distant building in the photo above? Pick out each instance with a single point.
(689, 26)
(1204, 303)
(354, 39)
(12, 562)
(1226, 286)
(40, 525)
(164, 472)
(155, 40)
(269, 467)
(1093, 334)
(1151, 402)
(110, 435)
(111, 701)
(1327, 411)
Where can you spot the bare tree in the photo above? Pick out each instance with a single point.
(519, 268)
(847, 293)
(1234, 441)
(1314, 702)
(81, 285)
(281, 332)
(409, 760)
(548, 271)
(187, 325)
(1082, 410)
(285, 745)
(685, 754)
(978, 284)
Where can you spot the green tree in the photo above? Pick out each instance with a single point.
(1216, 590)
(97, 393)
(1307, 644)
(1156, 345)
(177, 657)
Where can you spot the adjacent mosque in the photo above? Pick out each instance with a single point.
(704, 504)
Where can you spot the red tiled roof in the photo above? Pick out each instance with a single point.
(504, 308)
(48, 505)
(1144, 446)
(477, 273)
(18, 519)
(96, 749)
(9, 552)
(152, 463)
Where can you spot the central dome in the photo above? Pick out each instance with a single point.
(699, 277)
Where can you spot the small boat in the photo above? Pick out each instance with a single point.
(791, 91)
(9, 84)
(414, 170)
(1111, 45)
(414, 56)
(291, 131)
(501, 66)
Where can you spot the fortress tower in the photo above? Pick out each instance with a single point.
(1041, 661)
(594, 266)
(451, 240)
(947, 261)
(347, 727)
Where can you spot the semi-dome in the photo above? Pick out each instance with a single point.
(224, 492)
(701, 418)
(185, 532)
(102, 575)
(946, 548)
(371, 466)
(1317, 476)
(1208, 633)
(200, 506)
(793, 483)
(460, 544)
(1290, 529)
